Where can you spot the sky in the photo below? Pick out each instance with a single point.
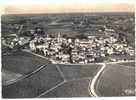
(64, 6)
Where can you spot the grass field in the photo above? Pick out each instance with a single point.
(116, 80)
(77, 80)
(76, 88)
(22, 62)
(129, 64)
(33, 85)
(8, 76)
(79, 71)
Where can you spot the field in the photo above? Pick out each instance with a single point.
(33, 85)
(22, 62)
(50, 81)
(128, 64)
(8, 76)
(75, 88)
(77, 79)
(116, 80)
(79, 71)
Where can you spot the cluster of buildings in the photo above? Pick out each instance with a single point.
(82, 51)
(74, 50)
(15, 41)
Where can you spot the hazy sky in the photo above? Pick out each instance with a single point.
(60, 6)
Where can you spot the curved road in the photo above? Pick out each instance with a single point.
(92, 83)
(91, 87)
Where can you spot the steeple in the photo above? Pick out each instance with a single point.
(58, 37)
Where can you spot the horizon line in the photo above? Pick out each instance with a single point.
(70, 13)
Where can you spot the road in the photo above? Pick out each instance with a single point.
(92, 83)
(91, 87)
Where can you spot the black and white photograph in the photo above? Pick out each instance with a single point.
(79, 48)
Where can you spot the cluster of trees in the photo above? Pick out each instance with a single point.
(31, 33)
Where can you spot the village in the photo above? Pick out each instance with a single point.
(68, 55)
(93, 49)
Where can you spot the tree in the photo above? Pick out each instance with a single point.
(81, 36)
(39, 31)
(65, 36)
(51, 36)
